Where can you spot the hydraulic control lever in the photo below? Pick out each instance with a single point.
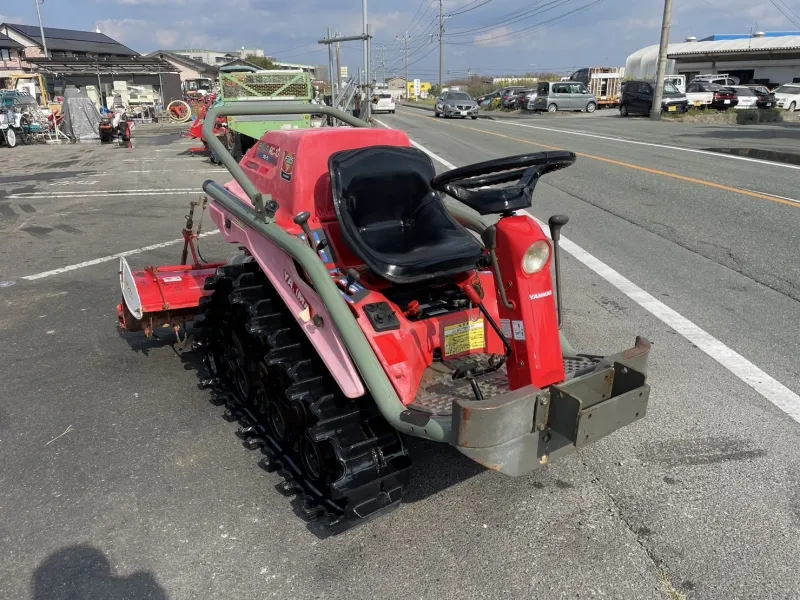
(352, 277)
(556, 222)
(302, 220)
(489, 238)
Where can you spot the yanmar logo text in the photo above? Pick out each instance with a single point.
(541, 295)
(295, 290)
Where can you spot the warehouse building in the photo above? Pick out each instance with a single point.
(771, 58)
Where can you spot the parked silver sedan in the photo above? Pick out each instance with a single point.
(456, 104)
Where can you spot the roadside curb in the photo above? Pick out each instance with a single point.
(778, 156)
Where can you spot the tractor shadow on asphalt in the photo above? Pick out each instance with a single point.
(435, 468)
(84, 572)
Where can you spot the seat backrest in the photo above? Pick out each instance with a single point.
(380, 185)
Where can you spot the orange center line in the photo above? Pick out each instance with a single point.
(618, 163)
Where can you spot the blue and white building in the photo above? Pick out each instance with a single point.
(771, 57)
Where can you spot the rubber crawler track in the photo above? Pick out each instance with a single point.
(341, 459)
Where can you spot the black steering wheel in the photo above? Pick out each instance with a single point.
(525, 169)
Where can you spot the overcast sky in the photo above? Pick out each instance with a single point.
(490, 36)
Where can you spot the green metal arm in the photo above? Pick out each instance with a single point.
(246, 108)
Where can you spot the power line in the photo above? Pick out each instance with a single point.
(464, 8)
(302, 54)
(786, 11)
(516, 32)
(411, 22)
(516, 17)
(273, 52)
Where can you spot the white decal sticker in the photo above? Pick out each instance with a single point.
(505, 327)
(172, 279)
(519, 330)
(541, 295)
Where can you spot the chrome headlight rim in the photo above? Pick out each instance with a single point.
(536, 257)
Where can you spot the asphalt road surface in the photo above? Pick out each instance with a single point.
(119, 479)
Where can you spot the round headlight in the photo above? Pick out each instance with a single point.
(536, 257)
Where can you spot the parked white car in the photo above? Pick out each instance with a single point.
(788, 96)
(748, 99)
(704, 94)
(382, 102)
(530, 100)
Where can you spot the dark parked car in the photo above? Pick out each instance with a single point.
(766, 99)
(486, 99)
(637, 98)
(508, 94)
(518, 99)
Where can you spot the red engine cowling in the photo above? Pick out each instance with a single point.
(292, 166)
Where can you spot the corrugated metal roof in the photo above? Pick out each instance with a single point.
(74, 41)
(7, 42)
(197, 65)
(752, 45)
(104, 66)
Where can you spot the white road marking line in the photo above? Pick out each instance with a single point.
(49, 196)
(652, 145)
(774, 196)
(770, 388)
(74, 182)
(103, 193)
(104, 259)
(194, 158)
(29, 194)
(182, 171)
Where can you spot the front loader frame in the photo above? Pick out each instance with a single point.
(508, 433)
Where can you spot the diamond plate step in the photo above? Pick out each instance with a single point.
(438, 389)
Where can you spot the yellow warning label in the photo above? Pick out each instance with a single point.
(464, 337)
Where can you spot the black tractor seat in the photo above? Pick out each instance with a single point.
(393, 220)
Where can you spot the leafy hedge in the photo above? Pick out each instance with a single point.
(749, 117)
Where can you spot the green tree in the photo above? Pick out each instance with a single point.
(260, 61)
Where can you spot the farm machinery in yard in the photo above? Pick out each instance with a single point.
(373, 299)
(278, 88)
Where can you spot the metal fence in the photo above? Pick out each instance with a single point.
(266, 85)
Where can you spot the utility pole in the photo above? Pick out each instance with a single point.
(338, 63)
(381, 62)
(41, 29)
(655, 110)
(366, 38)
(331, 75)
(441, 39)
(405, 43)
(365, 105)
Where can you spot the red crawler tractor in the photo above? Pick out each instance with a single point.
(362, 309)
